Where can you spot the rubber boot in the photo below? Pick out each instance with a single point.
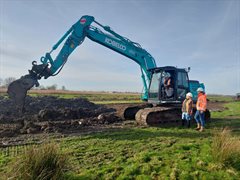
(198, 126)
(188, 124)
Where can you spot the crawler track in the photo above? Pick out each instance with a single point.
(158, 115)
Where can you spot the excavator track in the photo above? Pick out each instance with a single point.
(158, 115)
(163, 115)
(128, 112)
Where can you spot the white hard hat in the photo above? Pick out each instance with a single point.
(200, 89)
(189, 95)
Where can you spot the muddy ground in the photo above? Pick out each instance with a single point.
(48, 115)
(51, 114)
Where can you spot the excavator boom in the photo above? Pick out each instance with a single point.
(74, 37)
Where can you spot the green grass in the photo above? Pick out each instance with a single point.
(228, 118)
(44, 162)
(110, 98)
(138, 153)
(101, 98)
(97, 98)
(144, 153)
(232, 110)
(226, 148)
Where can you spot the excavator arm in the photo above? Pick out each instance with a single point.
(74, 37)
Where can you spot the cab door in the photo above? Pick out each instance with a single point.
(182, 85)
(154, 87)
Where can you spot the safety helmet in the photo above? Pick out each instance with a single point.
(189, 95)
(200, 89)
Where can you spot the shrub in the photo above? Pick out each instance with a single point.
(44, 162)
(226, 149)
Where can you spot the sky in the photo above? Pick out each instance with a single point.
(201, 34)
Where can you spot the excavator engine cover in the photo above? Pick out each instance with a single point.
(17, 90)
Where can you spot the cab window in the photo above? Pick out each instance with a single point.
(154, 86)
(182, 80)
(182, 85)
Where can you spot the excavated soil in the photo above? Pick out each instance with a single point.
(216, 106)
(51, 114)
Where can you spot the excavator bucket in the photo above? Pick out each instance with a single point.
(17, 90)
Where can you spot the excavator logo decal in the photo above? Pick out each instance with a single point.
(115, 44)
(83, 20)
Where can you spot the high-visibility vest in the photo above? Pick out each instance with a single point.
(202, 102)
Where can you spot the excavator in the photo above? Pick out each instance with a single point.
(164, 87)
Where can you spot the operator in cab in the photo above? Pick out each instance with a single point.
(201, 109)
(168, 85)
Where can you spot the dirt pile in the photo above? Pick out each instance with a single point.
(52, 114)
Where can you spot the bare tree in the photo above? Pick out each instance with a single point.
(52, 87)
(8, 80)
(41, 87)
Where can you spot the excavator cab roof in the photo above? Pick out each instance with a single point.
(166, 68)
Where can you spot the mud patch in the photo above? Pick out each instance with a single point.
(216, 106)
(52, 114)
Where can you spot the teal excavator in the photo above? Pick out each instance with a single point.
(164, 87)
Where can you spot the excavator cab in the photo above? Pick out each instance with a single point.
(168, 85)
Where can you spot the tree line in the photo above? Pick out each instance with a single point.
(4, 83)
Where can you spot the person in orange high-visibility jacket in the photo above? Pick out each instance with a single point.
(201, 108)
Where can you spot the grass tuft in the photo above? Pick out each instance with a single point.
(40, 163)
(226, 149)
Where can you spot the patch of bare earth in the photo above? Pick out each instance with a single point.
(216, 106)
(51, 115)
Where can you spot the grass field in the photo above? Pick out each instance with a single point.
(153, 152)
(105, 97)
(96, 97)
(147, 152)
